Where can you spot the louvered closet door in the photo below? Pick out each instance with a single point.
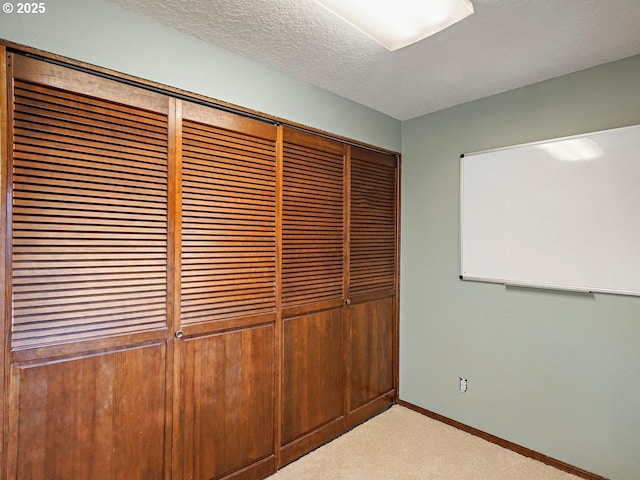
(89, 220)
(228, 308)
(372, 315)
(313, 255)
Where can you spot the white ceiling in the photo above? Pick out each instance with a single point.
(504, 45)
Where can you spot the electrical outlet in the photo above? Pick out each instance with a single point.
(464, 384)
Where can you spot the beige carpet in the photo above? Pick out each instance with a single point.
(401, 444)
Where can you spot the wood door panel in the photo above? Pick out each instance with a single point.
(100, 417)
(89, 213)
(5, 282)
(371, 337)
(373, 254)
(313, 387)
(88, 240)
(227, 420)
(228, 217)
(86, 83)
(227, 295)
(373, 223)
(313, 232)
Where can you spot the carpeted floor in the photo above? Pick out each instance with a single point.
(401, 444)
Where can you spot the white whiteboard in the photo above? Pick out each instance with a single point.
(563, 213)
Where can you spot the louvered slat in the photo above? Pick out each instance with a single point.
(373, 222)
(89, 217)
(313, 221)
(228, 223)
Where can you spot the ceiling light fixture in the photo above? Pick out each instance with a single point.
(396, 24)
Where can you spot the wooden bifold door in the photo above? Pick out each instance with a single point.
(190, 293)
(226, 358)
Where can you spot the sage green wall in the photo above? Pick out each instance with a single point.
(556, 372)
(103, 34)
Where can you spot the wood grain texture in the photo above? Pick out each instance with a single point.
(98, 417)
(313, 233)
(313, 383)
(313, 289)
(227, 360)
(370, 335)
(89, 384)
(227, 414)
(373, 229)
(85, 83)
(89, 217)
(228, 218)
(371, 322)
(5, 262)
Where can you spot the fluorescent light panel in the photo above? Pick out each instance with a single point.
(398, 23)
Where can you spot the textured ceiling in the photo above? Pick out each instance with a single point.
(504, 45)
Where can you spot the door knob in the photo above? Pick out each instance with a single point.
(179, 334)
